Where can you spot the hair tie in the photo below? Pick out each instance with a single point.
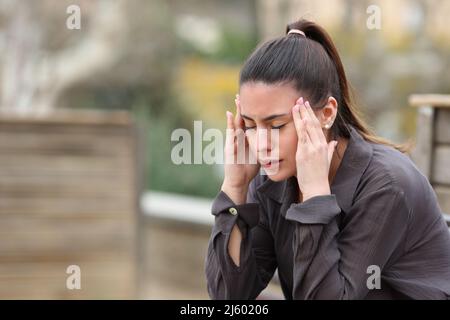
(297, 32)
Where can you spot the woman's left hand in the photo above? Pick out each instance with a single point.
(314, 153)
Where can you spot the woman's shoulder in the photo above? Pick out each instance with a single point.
(396, 172)
(397, 167)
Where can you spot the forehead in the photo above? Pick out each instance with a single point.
(259, 99)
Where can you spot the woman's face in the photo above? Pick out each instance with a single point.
(266, 110)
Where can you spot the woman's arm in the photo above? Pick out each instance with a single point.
(333, 264)
(257, 263)
(234, 243)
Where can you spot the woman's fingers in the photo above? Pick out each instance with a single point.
(306, 121)
(235, 141)
(239, 120)
(230, 122)
(241, 140)
(315, 124)
(229, 139)
(236, 118)
(312, 124)
(230, 129)
(297, 119)
(299, 124)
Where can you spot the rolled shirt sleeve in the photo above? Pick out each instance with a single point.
(330, 263)
(226, 280)
(317, 210)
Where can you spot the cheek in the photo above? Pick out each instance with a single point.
(288, 149)
(288, 144)
(251, 139)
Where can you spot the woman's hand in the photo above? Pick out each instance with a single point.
(240, 167)
(314, 153)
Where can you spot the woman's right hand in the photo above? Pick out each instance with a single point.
(238, 174)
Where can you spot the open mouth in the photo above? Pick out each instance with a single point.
(271, 164)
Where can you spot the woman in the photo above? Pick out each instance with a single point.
(340, 212)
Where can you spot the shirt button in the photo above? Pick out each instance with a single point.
(233, 211)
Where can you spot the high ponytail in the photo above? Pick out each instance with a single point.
(312, 63)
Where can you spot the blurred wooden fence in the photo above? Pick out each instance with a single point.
(432, 153)
(68, 196)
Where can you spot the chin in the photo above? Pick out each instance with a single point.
(277, 176)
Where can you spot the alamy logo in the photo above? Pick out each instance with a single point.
(73, 281)
(213, 153)
(374, 20)
(73, 22)
(374, 280)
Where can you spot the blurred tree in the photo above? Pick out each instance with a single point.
(36, 69)
(124, 57)
(121, 44)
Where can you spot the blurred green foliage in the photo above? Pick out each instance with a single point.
(233, 49)
(161, 173)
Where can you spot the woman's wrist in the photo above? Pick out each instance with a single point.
(237, 194)
(314, 192)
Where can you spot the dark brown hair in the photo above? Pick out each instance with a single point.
(312, 64)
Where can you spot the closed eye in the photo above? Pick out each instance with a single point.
(278, 127)
(273, 127)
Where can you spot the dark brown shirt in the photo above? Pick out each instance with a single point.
(382, 213)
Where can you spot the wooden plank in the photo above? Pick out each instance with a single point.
(447, 219)
(68, 195)
(97, 190)
(435, 100)
(441, 165)
(442, 130)
(62, 236)
(60, 184)
(69, 116)
(66, 206)
(104, 287)
(422, 154)
(69, 144)
(72, 257)
(443, 195)
(46, 165)
(104, 279)
(65, 129)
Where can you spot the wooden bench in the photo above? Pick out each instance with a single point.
(68, 196)
(432, 152)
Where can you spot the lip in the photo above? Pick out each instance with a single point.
(270, 163)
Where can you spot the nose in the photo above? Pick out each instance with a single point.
(263, 142)
(266, 142)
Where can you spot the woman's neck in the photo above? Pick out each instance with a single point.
(337, 158)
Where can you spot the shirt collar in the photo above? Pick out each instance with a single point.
(356, 158)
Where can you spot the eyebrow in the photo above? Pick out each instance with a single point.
(266, 118)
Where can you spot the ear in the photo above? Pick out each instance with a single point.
(327, 114)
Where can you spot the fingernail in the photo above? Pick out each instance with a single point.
(296, 108)
(307, 104)
(229, 113)
(300, 100)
